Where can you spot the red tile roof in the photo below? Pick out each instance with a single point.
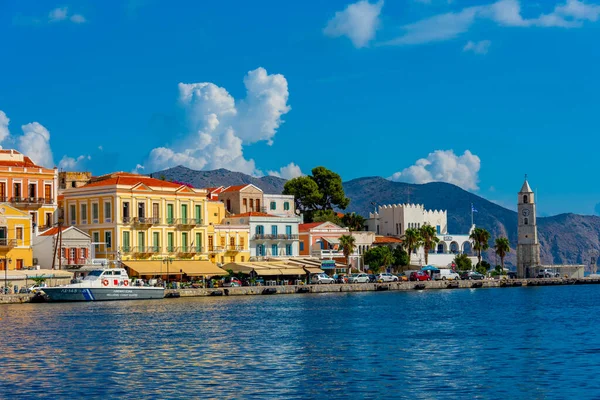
(53, 231)
(235, 188)
(128, 179)
(252, 214)
(307, 227)
(386, 239)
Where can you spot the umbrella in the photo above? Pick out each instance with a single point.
(429, 268)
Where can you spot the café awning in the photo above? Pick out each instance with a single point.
(293, 271)
(150, 268)
(313, 270)
(268, 272)
(332, 241)
(197, 268)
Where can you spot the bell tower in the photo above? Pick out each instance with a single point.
(528, 247)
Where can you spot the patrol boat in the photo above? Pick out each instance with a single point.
(101, 285)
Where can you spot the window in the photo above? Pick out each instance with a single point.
(526, 221)
(222, 242)
(34, 218)
(108, 239)
(155, 210)
(228, 205)
(17, 191)
(126, 211)
(251, 204)
(260, 250)
(245, 203)
(257, 205)
(525, 199)
(31, 190)
(286, 206)
(288, 249)
(84, 214)
(170, 213)
(19, 233)
(95, 213)
(96, 240)
(198, 214)
(232, 242)
(438, 229)
(260, 230)
(156, 241)
(184, 213)
(274, 250)
(107, 212)
(126, 241)
(170, 242)
(71, 253)
(274, 230)
(184, 241)
(2, 191)
(273, 206)
(141, 240)
(48, 220)
(210, 243)
(242, 243)
(301, 246)
(232, 259)
(199, 242)
(48, 194)
(141, 211)
(243, 259)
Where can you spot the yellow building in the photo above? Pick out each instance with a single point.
(135, 217)
(28, 196)
(226, 243)
(15, 238)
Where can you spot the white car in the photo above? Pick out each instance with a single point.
(385, 277)
(321, 278)
(358, 278)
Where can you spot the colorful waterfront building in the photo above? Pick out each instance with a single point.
(321, 239)
(134, 217)
(228, 241)
(28, 198)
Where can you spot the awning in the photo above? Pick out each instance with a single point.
(313, 270)
(151, 268)
(293, 271)
(268, 272)
(331, 240)
(198, 268)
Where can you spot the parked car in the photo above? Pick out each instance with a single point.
(402, 277)
(471, 275)
(419, 276)
(386, 277)
(372, 278)
(321, 278)
(446, 274)
(231, 281)
(358, 278)
(546, 273)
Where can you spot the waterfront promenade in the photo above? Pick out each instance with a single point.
(360, 287)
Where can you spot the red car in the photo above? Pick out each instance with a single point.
(419, 276)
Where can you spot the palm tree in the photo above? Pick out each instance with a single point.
(480, 238)
(412, 240)
(429, 239)
(348, 244)
(502, 246)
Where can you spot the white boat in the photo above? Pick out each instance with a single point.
(101, 285)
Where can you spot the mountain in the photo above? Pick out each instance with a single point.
(564, 238)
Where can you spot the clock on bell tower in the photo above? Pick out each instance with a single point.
(528, 247)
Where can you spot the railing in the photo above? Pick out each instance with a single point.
(29, 201)
(327, 253)
(188, 221)
(215, 249)
(145, 249)
(235, 247)
(8, 243)
(127, 220)
(280, 236)
(146, 220)
(188, 250)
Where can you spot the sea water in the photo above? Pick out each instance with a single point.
(526, 343)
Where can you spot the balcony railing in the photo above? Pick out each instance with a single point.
(188, 221)
(260, 236)
(235, 247)
(187, 250)
(140, 249)
(127, 220)
(27, 201)
(146, 220)
(327, 253)
(216, 249)
(8, 243)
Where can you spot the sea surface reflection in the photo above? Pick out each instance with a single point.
(488, 343)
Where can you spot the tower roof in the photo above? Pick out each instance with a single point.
(526, 188)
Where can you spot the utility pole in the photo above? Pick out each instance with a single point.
(60, 244)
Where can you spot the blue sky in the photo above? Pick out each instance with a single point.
(475, 93)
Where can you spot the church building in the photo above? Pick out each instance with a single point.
(528, 247)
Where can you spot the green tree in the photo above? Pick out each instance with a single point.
(348, 244)
(354, 221)
(502, 247)
(376, 257)
(331, 188)
(480, 238)
(483, 267)
(412, 240)
(306, 193)
(325, 216)
(463, 262)
(401, 257)
(429, 240)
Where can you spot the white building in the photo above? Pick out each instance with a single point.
(395, 219)
(74, 248)
(281, 205)
(270, 235)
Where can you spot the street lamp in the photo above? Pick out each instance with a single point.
(6, 262)
(167, 261)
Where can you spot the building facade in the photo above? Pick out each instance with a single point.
(70, 180)
(321, 240)
(395, 219)
(270, 235)
(227, 241)
(73, 248)
(242, 199)
(281, 205)
(16, 232)
(528, 247)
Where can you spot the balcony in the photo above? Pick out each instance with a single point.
(7, 244)
(140, 249)
(28, 202)
(146, 221)
(327, 253)
(188, 222)
(262, 236)
(127, 220)
(235, 248)
(216, 249)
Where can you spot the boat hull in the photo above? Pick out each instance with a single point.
(103, 294)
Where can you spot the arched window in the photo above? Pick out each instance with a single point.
(525, 199)
(526, 221)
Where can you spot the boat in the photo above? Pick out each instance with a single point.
(101, 285)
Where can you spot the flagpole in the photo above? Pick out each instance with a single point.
(471, 215)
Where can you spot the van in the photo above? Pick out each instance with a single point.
(446, 274)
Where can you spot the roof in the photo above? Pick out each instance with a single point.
(128, 179)
(17, 162)
(311, 225)
(235, 188)
(54, 231)
(526, 188)
(386, 239)
(253, 214)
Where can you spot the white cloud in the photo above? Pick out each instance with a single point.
(290, 171)
(220, 126)
(443, 166)
(35, 143)
(62, 14)
(507, 13)
(4, 121)
(480, 47)
(70, 163)
(359, 22)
